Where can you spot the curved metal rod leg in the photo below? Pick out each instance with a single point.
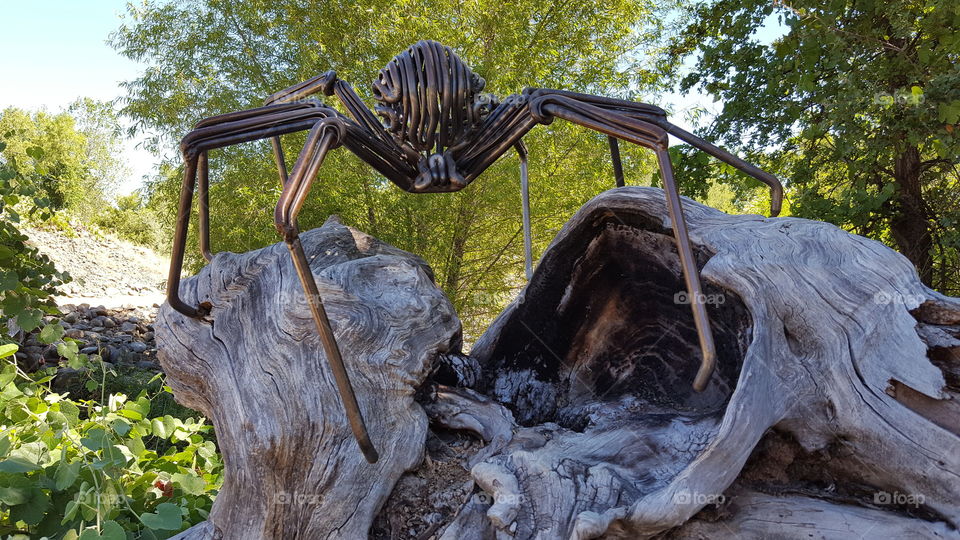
(654, 137)
(180, 240)
(525, 208)
(280, 160)
(218, 132)
(615, 157)
(203, 194)
(690, 272)
(322, 138)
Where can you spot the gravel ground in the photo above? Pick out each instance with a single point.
(122, 336)
(102, 266)
(110, 305)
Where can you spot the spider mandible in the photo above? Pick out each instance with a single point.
(439, 133)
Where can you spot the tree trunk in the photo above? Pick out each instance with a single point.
(832, 411)
(910, 227)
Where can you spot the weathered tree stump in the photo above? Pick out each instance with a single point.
(255, 368)
(833, 408)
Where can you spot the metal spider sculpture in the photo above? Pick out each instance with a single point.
(439, 133)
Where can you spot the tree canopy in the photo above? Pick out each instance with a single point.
(207, 56)
(72, 157)
(857, 105)
(854, 107)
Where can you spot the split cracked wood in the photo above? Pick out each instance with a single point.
(580, 390)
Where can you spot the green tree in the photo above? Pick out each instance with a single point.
(99, 123)
(857, 104)
(132, 219)
(209, 56)
(72, 157)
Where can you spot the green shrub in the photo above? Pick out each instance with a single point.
(132, 220)
(91, 462)
(28, 278)
(98, 468)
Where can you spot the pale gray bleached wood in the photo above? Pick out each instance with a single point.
(793, 517)
(830, 337)
(815, 333)
(257, 370)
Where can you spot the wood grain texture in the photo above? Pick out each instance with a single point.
(580, 391)
(792, 517)
(257, 370)
(596, 359)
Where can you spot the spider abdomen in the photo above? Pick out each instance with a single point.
(427, 97)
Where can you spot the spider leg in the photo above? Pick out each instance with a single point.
(217, 132)
(617, 164)
(262, 123)
(525, 209)
(776, 188)
(328, 84)
(658, 117)
(641, 132)
(325, 135)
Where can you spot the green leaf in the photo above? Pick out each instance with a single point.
(192, 485)
(32, 511)
(15, 490)
(29, 320)
(9, 280)
(67, 349)
(8, 349)
(70, 411)
(70, 510)
(112, 531)
(112, 457)
(35, 152)
(168, 517)
(160, 428)
(141, 406)
(96, 439)
(130, 413)
(18, 465)
(109, 530)
(7, 374)
(949, 112)
(120, 427)
(51, 333)
(66, 474)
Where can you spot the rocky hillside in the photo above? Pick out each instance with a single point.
(105, 269)
(110, 305)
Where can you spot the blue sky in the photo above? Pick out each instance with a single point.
(55, 51)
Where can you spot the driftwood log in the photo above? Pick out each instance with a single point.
(833, 412)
